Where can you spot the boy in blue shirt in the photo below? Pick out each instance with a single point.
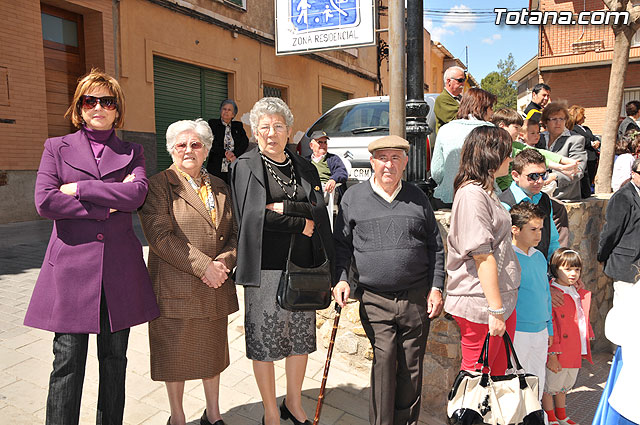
(534, 328)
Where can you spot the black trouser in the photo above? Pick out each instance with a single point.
(397, 327)
(65, 383)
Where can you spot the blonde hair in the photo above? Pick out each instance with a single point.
(96, 79)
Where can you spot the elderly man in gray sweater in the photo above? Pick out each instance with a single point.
(387, 226)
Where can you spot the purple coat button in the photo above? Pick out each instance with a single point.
(100, 236)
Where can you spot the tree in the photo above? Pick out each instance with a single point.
(498, 83)
(623, 34)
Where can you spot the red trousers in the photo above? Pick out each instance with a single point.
(472, 340)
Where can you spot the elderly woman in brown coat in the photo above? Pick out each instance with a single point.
(188, 222)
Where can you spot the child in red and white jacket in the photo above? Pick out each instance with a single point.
(571, 335)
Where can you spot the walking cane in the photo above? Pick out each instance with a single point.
(316, 420)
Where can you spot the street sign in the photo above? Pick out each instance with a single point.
(304, 26)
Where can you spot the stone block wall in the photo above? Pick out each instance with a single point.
(585, 223)
(443, 356)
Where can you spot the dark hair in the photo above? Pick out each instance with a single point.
(475, 102)
(632, 107)
(552, 109)
(564, 257)
(506, 117)
(623, 144)
(483, 151)
(232, 103)
(524, 212)
(529, 122)
(576, 114)
(635, 167)
(526, 157)
(536, 89)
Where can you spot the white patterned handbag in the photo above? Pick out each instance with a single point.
(479, 398)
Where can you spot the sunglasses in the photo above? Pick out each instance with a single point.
(183, 146)
(460, 80)
(535, 176)
(107, 102)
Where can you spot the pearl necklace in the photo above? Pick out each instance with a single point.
(292, 183)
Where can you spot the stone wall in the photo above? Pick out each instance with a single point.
(585, 223)
(442, 360)
(16, 195)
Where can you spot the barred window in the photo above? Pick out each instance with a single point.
(274, 91)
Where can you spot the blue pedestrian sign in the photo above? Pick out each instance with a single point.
(314, 25)
(323, 14)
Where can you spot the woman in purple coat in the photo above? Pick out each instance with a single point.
(93, 278)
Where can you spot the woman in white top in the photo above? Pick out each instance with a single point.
(626, 150)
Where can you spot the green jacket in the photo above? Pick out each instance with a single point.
(445, 108)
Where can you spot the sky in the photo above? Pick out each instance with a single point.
(459, 24)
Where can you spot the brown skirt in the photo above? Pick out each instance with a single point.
(184, 349)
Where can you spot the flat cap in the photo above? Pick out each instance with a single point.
(389, 142)
(319, 134)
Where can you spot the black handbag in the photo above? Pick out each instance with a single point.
(479, 398)
(305, 288)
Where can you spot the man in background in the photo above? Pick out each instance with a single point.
(448, 102)
(540, 96)
(330, 167)
(631, 121)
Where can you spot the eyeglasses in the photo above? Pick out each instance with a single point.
(534, 177)
(278, 128)
(107, 102)
(460, 80)
(183, 146)
(557, 119)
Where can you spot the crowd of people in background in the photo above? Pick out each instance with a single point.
(239, 220)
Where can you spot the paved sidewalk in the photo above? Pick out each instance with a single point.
(26, 358)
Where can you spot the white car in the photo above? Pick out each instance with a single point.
(353, 124)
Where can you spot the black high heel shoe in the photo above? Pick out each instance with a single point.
(204, 420)
(286, 414)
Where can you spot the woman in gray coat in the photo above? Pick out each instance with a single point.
(559, 139)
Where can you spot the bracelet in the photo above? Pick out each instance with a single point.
(496, 312)
(437, 289)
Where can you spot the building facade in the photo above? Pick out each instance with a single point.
(575, 61)
(174, 59)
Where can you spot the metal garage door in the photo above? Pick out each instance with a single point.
(331, 97)
(184, 91)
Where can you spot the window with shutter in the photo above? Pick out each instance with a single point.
(184, 92)
(331, 97)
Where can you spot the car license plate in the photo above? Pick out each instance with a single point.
(360, 173)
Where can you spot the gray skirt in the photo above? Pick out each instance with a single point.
(272, 333)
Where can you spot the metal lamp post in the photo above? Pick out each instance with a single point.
(417, 109)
